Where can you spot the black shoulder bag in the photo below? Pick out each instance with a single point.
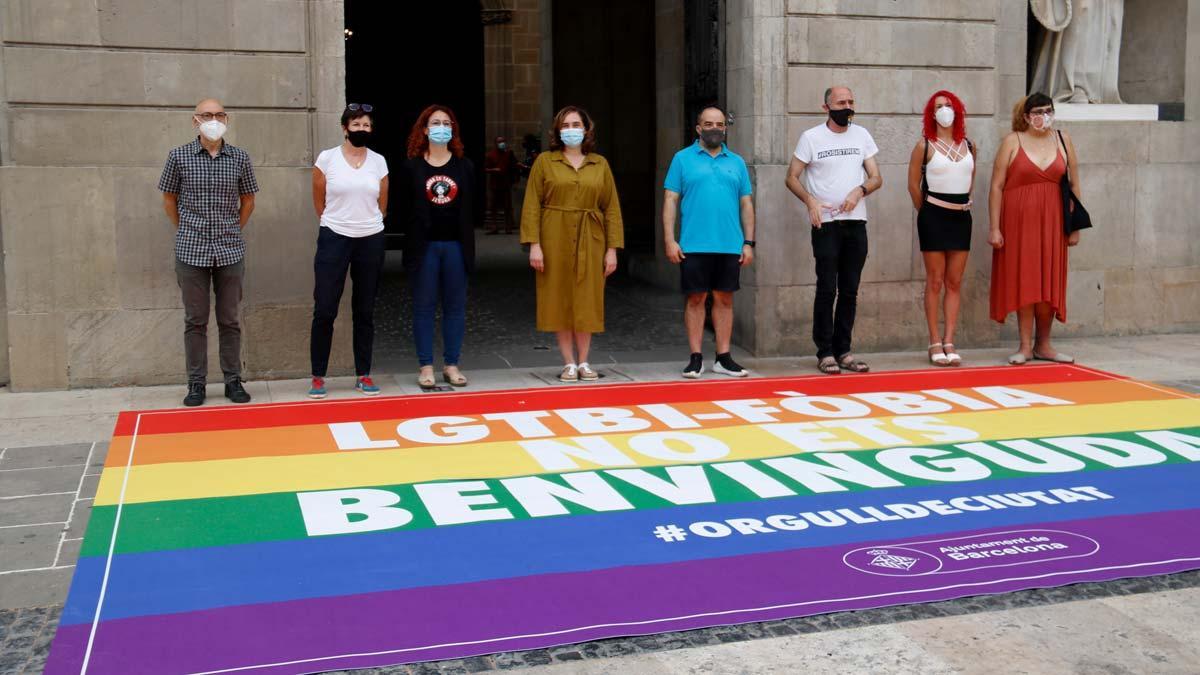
(1075, 217)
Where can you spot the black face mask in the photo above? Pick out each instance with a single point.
(841, 117)
(712, 138)
(359, 138)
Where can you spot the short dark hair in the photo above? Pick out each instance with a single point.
(712, 106)
(349, 116)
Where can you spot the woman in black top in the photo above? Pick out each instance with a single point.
(439, 248)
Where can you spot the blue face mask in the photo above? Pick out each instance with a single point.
(440, 135)
(572, 138)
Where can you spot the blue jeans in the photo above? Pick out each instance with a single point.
(442, 272)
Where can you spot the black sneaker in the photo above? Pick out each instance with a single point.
(234, 391)
(695, 367)
(195, 395)
(727, 366)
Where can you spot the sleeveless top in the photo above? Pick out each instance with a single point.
(946, 176)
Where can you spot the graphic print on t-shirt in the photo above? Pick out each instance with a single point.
(838, 152)
(440, 189)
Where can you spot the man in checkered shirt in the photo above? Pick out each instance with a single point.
(208, 191)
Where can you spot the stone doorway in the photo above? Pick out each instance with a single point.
(505, 66)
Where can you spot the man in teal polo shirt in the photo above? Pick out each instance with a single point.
(710, 186)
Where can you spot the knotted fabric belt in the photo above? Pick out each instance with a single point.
(590, 225)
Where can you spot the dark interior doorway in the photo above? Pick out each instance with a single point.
(604, 62)
(403, 56)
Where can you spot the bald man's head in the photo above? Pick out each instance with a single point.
(210, 110)
(211, 105)
(839, 96)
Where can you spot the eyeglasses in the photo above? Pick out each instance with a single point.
(364, 107)
(208, 117)
(439, 123)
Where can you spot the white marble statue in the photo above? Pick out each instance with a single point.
(1080, 49)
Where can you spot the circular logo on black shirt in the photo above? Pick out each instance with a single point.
(441, 189)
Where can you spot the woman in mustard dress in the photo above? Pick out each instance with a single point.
(572, 222)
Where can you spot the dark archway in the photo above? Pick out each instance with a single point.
(604, 61)
(403, 56)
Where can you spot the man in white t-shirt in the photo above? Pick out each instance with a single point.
(832, 172)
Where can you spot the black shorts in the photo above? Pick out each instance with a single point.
(704, 272)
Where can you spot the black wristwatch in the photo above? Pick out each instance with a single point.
(748, 242)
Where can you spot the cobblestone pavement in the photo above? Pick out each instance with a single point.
(640, 320)
(1134, 625)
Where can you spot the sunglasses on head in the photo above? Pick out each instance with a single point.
(363, 107)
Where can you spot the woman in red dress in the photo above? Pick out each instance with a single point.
(1029, 260)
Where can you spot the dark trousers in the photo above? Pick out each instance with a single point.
(840, 248)
(442, 274)
(363, 257)
(226, 285)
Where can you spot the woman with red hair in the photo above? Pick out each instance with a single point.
(439, 243)
(941, 172)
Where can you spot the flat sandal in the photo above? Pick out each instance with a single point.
(850, 362)
(425, 381)
(454, 377)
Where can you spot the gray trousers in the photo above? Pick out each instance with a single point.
(226, 285)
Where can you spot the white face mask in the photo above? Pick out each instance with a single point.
(1042, 122)
(944, 116)
(213, 130)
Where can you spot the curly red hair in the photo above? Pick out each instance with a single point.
(418, 142)
(929, 124)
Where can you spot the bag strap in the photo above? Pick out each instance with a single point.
(1066, 160)
(924, 161)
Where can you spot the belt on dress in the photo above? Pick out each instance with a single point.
(948, 205)
(591, 225)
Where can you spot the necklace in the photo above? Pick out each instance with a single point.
(352, 161)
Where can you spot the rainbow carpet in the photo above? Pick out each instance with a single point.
(293, 538)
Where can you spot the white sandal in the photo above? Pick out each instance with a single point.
(938, 358)
(952, 356)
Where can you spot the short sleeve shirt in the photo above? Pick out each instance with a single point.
(209, 189)
(352, 195)
(835, 165)
(710, 208)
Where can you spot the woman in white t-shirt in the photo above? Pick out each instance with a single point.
(350, 191)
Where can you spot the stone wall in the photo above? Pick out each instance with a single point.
(95, 94)
(1138, 271)
(1153, 46)
(512, 72)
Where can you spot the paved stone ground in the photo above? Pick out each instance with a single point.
(54, 446)
(642, 323)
